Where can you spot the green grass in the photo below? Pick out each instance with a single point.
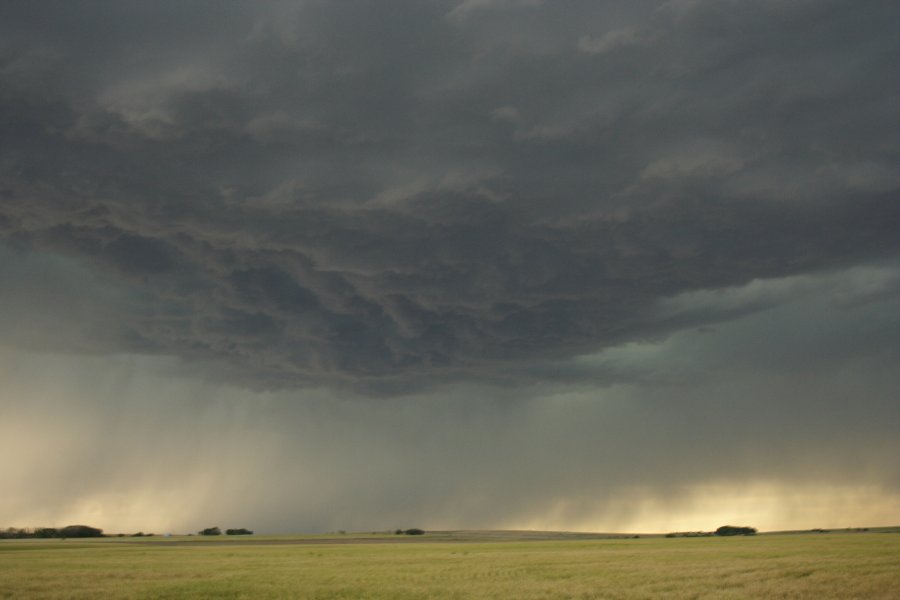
(820, 566)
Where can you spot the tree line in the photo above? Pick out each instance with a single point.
(69, 531)
(85, 531)
(724, 530)
(218, 531)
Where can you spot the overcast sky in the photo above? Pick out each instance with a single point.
(306, 266)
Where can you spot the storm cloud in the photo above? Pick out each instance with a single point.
(385, 203)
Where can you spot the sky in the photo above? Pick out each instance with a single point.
(312, 266)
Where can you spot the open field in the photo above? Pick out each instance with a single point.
(459, 565)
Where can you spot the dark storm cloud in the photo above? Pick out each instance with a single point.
(784, 418)
(395, 191)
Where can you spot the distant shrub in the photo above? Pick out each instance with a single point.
(414, 531)
(210, 531)
(732, 530)
(240, 531)
(398, 532)
(689, 534)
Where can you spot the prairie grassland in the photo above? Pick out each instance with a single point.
(820, 566)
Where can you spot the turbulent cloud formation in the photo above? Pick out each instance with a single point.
(517, 198)
(358, 192)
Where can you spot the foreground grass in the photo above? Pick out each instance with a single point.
(776, 566)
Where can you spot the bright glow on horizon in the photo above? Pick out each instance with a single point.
(718, 434)
(767, 506)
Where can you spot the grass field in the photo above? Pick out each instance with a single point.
(820, 566)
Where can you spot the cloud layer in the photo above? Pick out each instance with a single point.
(313, 192)
(484, 263)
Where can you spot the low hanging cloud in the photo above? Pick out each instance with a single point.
(782, 418)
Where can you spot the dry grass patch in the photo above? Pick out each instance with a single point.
(784, 566)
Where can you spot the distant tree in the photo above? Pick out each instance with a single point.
(398, 532)
(12, 533)
(210, 531)
(732, 530)
(414, 531)
(240, 531)
(80, 531)
(46, 532)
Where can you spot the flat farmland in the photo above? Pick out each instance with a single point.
(458, 566)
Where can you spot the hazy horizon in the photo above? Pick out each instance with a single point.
(303, 266)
